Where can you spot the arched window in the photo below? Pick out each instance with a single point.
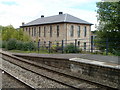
(39, 31)
(34, 31)
(29, 30)
(57, 30)
(44, 31)
(72, 31)
(50, 31)
(85, 31)
(78, 31)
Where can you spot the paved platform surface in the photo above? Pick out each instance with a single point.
(101, 58)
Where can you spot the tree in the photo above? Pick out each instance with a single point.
(9, 32)
(109, 25)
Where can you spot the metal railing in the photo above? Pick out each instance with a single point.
(84, 45)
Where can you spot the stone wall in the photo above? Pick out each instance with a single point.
(64, 34)
(104, 75)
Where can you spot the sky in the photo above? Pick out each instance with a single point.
(14, 12)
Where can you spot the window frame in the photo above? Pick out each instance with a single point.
(85, 31)
(58, 30)
(50, 30)
(72, 31)
(39, 31)
(44, 31)
(29, 30)
(79, 31)
(34, 31)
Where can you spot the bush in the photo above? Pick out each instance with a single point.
(116, 52)
(25, 46)
(11, 44)
(3, 44)
(19, 45)
(56, 48)
(28, 46)
(31, 46)
(71, 49)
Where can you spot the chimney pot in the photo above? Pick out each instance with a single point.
(42, 16)
(60, 13)
(23, 23)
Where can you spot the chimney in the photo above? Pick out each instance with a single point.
(23, 23)
(42, 16)
(60, 13)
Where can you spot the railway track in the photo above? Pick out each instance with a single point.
(21, 82)
(62, 78)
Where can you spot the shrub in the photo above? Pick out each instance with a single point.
(31, 46)
(53, 48)
(25, 46)
(56, 48)
(19, 45)
(116, 52)
(11, 44)
(28, 46)
(3, 44)
(71, 49)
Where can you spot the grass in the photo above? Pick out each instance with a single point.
(46, 52)
(19, 51)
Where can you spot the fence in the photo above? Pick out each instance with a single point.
(84, 45)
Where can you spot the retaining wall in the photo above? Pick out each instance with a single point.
(108, 74)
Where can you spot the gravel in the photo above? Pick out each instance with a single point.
(33, 79)
(41, 82)
(10, 82)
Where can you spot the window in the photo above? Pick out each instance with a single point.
(26, 29)
(50, 31)
(34, 31)
(57, 30)
(29, 30)
(78, 31)
(72, 31)
(44, 31)
(39, 31)
(78, 43)
(85, 31)
(84, 45)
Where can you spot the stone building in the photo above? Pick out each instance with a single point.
(60, 27)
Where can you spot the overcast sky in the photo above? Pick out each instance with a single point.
(15, 12)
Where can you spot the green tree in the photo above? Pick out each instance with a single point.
(9, 32)
(109, 25)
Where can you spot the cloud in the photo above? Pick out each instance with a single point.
(28, 10)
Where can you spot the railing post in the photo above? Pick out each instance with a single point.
(75, 45)
(62, 46)
(49, 46)
(107, 46)
(91, 44)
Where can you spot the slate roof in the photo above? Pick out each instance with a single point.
(61, 18)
